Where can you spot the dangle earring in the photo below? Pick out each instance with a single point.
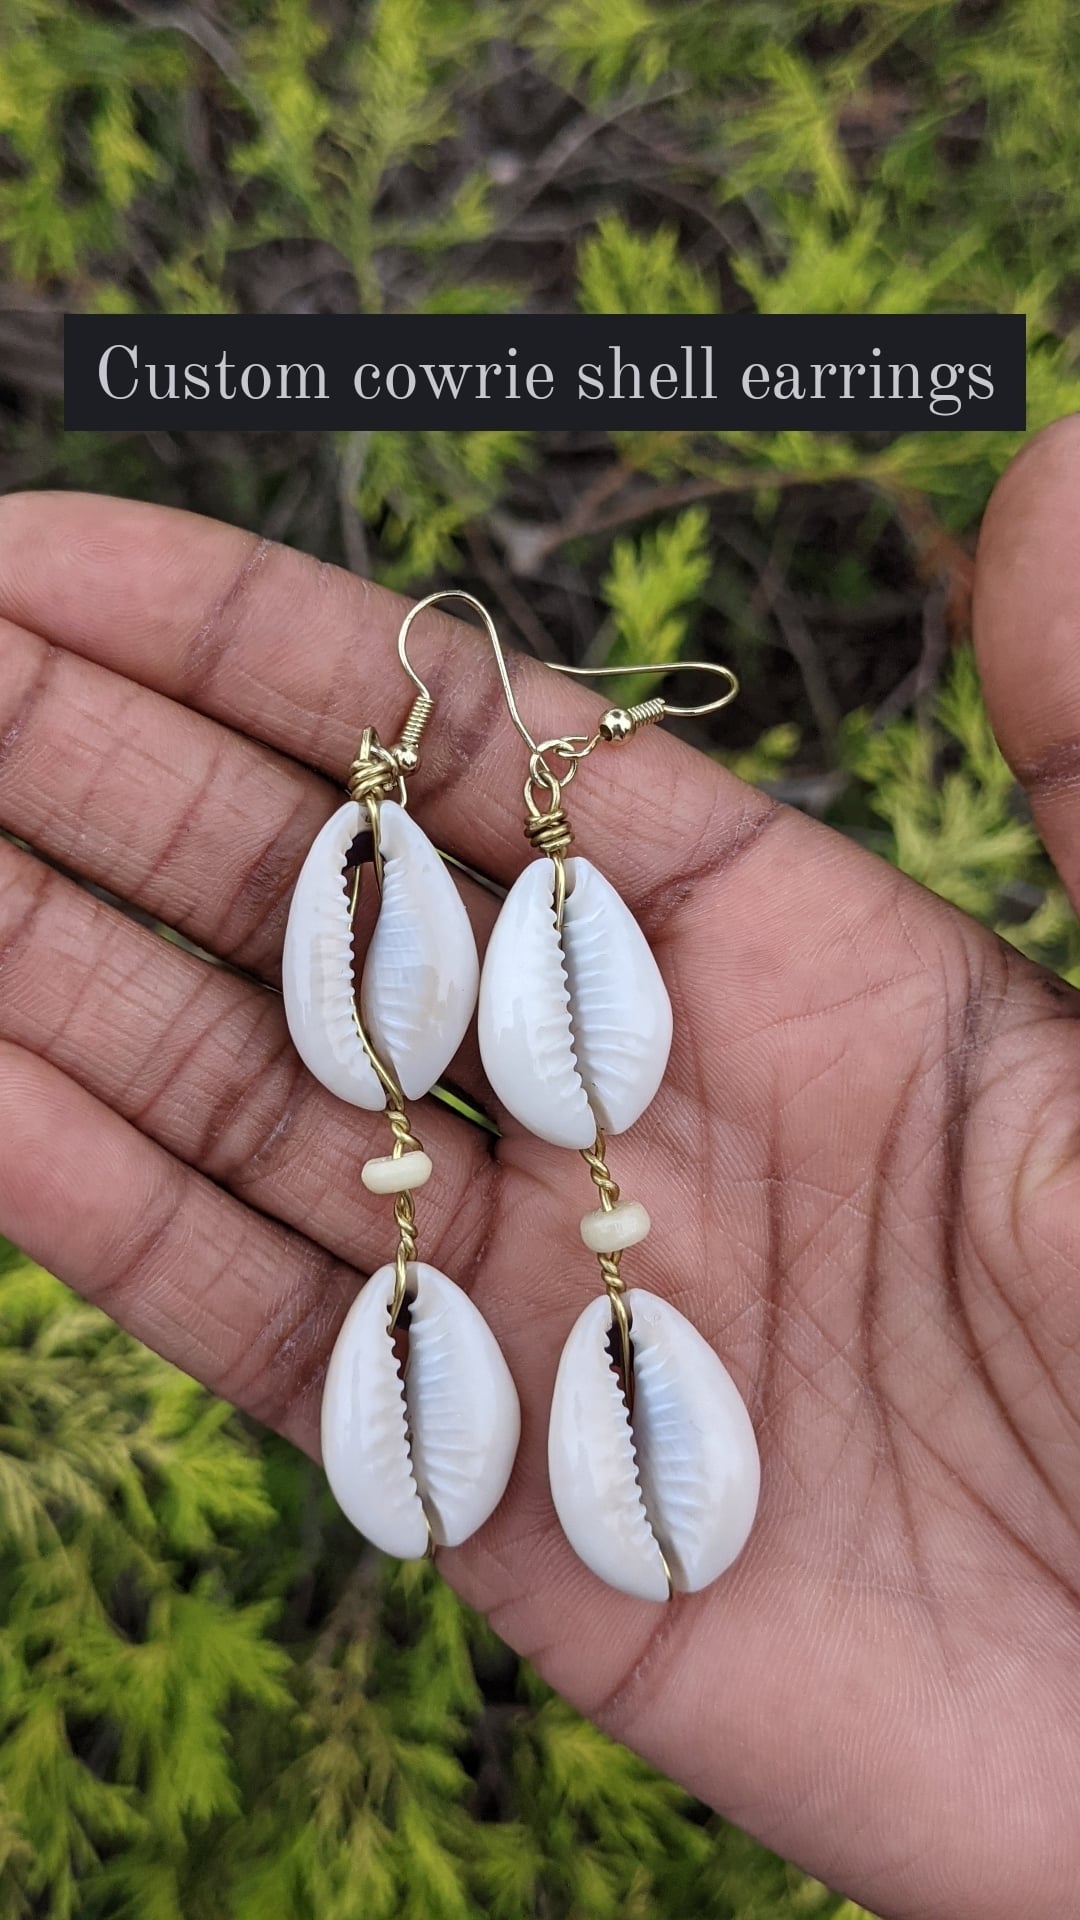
(652, 1459)
(420, 1418)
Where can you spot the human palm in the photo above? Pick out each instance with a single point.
(862, 1167)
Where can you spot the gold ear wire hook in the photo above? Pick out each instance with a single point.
(618, 723)
(422, 692)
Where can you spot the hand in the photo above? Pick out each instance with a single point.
(863, 1167)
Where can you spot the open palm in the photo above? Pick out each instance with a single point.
(862, 1167)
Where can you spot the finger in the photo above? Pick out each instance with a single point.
(187, 819)
(302, 655)
(201, 1061)
(242, 1303)
(1027, 632)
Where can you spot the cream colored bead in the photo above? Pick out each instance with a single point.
(388, 1175)
(624, 1226)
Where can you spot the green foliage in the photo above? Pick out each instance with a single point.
(956, 821)
(215, 1704)
(292, 112)
(323, 149)
(125, 1496)
(607, 42)
(770, 757)
(652, 587)
(620, 271)
(425, 488)
(57, 210)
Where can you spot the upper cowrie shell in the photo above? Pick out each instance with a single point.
(575, 1030)
(678, 1485)
(435, 1447)
(420, 973)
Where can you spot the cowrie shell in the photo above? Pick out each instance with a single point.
(676, 1482)
(575, 1029)
(435, 1447)
(420, 974)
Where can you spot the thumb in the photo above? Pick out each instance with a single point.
(1027, 632)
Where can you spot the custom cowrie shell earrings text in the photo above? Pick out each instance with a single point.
(652, 1458)
(420, 1419)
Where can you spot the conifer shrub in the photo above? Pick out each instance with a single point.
(215, 1702)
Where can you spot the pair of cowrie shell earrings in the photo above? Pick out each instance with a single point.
(652, 1459)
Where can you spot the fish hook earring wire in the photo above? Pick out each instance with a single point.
(652, 1458)
(420, 1418)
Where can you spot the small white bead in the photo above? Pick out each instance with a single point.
(624, 1226)
(388, 1175)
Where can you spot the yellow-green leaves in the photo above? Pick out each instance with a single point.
(791, 136)
(72, 91)
(653, 587)
(956, 822)
(623, 270)
(606, 42)
(424, 488)
(291, 110)
(125, 1492)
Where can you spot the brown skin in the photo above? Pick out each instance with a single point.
(863, 1167)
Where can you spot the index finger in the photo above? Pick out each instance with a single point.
(302, 655)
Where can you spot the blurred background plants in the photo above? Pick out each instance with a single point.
(213, 1700)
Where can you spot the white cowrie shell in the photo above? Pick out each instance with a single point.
(420, 974)
(575, 1030)
(678, 1484)
(439, 1443)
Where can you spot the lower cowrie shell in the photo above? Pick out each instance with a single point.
(574, 1027)
(434, 1448)
(420, 974)
(678, 1486)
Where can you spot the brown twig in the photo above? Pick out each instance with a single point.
(772, 592)
(353, 531)
(529, 545)
(938, 555)
(512, 602)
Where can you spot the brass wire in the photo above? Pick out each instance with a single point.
(646, 713)
(369, 778)
(372, 777)
(558, 898)
(418, 716)
(595, 1159)
(646, 708)
(549, 832)
(373, 803)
